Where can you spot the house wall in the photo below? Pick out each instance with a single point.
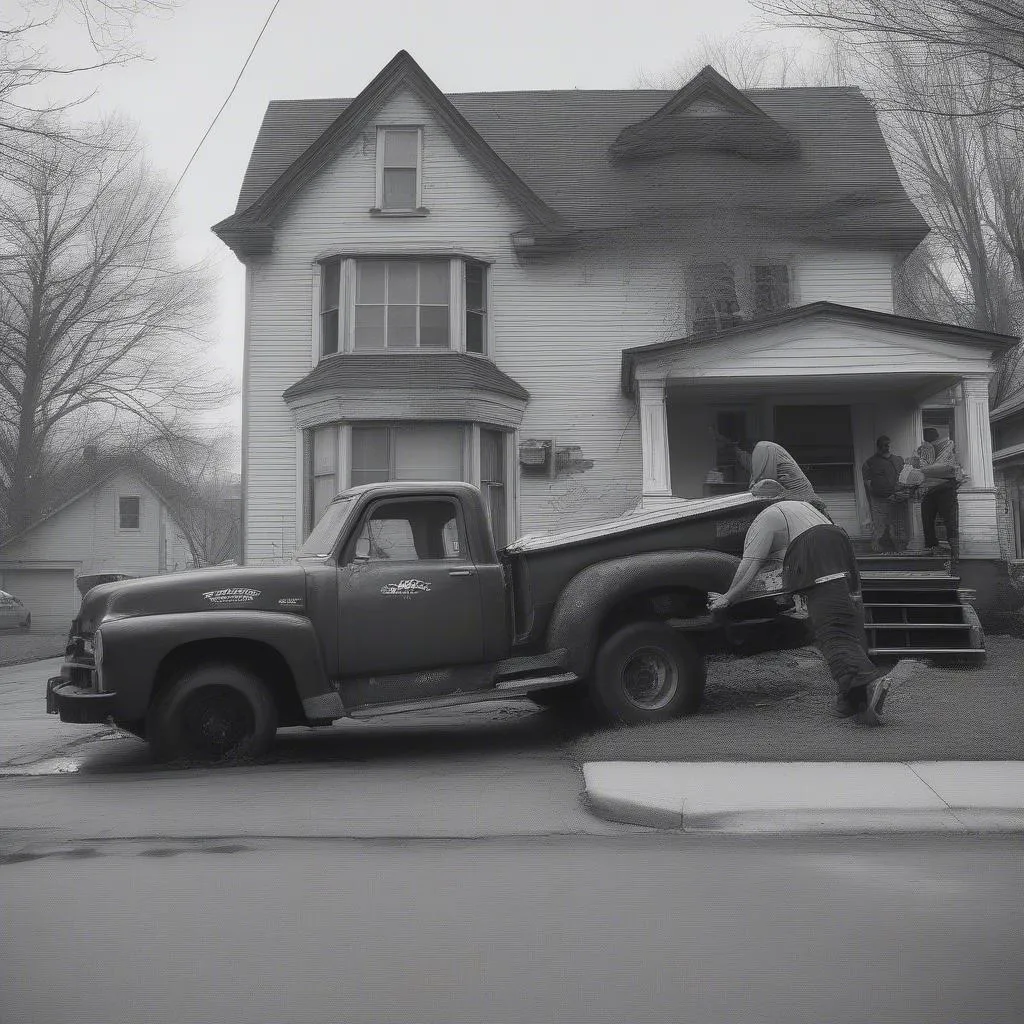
(558, 325)
(86, 533)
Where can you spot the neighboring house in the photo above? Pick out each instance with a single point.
(557, 296)
(108, 516)
(1008, 455)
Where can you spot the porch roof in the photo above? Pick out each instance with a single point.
(641, 355)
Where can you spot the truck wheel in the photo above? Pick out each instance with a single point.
(647, 672)
(213, 712)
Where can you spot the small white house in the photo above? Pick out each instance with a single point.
(557, 295)
(118, 523)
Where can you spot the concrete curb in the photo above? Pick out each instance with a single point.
(801, 797)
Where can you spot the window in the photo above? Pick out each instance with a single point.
(492, 482)
(324, 472)
(399, 168)
(401, 304)
(424, 451)
(732, 425)
(771, 288)
(727, 293)
(409, 531)
(330, 301)
(476, 307)
(128, 512)
(713, 300)
(820, 438)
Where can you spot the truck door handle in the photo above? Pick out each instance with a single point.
(460, 572)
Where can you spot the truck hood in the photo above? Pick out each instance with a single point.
(267, 588)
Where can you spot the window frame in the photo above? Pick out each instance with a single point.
(129, 529)
(347, 555)
(743, 276)
(378, 207)
(347, 289)
(392, 426)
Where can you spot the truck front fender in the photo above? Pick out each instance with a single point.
(135, 649)
(591, 594)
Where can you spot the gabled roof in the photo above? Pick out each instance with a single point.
(709, 112)
(639, 353)
(400, 371)
(841, 186)
(401, 72)
(83, 479)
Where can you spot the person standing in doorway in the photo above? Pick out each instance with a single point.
(881, 473)
(943, 475)
(819, 564)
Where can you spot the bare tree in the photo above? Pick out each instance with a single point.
(24, 63)
(985, 36)
(752, 60)
(101, 324)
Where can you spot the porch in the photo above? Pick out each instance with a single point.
(824, 383)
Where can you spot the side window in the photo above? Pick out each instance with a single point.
(410, 531)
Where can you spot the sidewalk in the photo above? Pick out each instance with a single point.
(840, 797)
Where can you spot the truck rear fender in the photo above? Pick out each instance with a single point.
(145, 653)
(594, 597)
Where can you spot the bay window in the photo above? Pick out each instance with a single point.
(323, 477)
(402, 304)
(421, 451)
(492, 483)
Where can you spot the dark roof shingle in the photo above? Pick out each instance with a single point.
(558, 143)
(402, 371)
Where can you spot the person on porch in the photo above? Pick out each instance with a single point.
(937, 461)
(890, 528)
(819, 563)
(770, 461)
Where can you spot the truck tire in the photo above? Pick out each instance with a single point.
(647, 672)
(215, 711)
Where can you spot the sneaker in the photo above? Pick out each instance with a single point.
(877, 692)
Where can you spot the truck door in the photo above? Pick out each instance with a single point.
(408, 591)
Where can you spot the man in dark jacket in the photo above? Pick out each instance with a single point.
(890, 530)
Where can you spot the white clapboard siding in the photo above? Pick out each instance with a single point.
(853, 278)
(86, 532)
(979, 525)
(559, 324)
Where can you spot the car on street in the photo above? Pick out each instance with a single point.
(13, 613)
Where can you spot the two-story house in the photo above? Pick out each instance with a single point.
(563, 296)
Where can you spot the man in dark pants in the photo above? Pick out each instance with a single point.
(937, 461)
(881, 474)
(819, 563)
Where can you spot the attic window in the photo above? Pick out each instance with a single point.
(713, 297)
(128, 508)
(398, 170)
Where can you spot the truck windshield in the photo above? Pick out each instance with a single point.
(320, 543)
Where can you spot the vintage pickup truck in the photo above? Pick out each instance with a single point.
(398, 601)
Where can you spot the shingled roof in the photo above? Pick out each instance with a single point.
(402, 371)
(833, 178)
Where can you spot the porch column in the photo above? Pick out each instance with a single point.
(657, 480)
(977, 449)
(979, 525)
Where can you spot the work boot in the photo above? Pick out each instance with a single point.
(852, 702)
(953, 564)
(877, 692)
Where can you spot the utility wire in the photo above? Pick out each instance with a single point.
(216, 116)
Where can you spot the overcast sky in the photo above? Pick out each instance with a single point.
(334, 48)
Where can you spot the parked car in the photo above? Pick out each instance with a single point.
(398, 601)
(13, 613)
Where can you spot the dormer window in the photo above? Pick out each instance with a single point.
(713, 297)
(398, 170)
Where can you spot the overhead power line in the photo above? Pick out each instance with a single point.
(216, 116)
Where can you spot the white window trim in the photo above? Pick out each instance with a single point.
(378, 206)
(117, 513)
(346, 457)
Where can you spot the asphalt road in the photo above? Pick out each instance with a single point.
(592, 929)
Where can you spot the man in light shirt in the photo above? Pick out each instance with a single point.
(818, 562)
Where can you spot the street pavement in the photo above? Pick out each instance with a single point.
(603, 930)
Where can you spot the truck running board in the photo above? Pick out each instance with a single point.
(506, 690)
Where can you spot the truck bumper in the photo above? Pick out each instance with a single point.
(77, 704)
